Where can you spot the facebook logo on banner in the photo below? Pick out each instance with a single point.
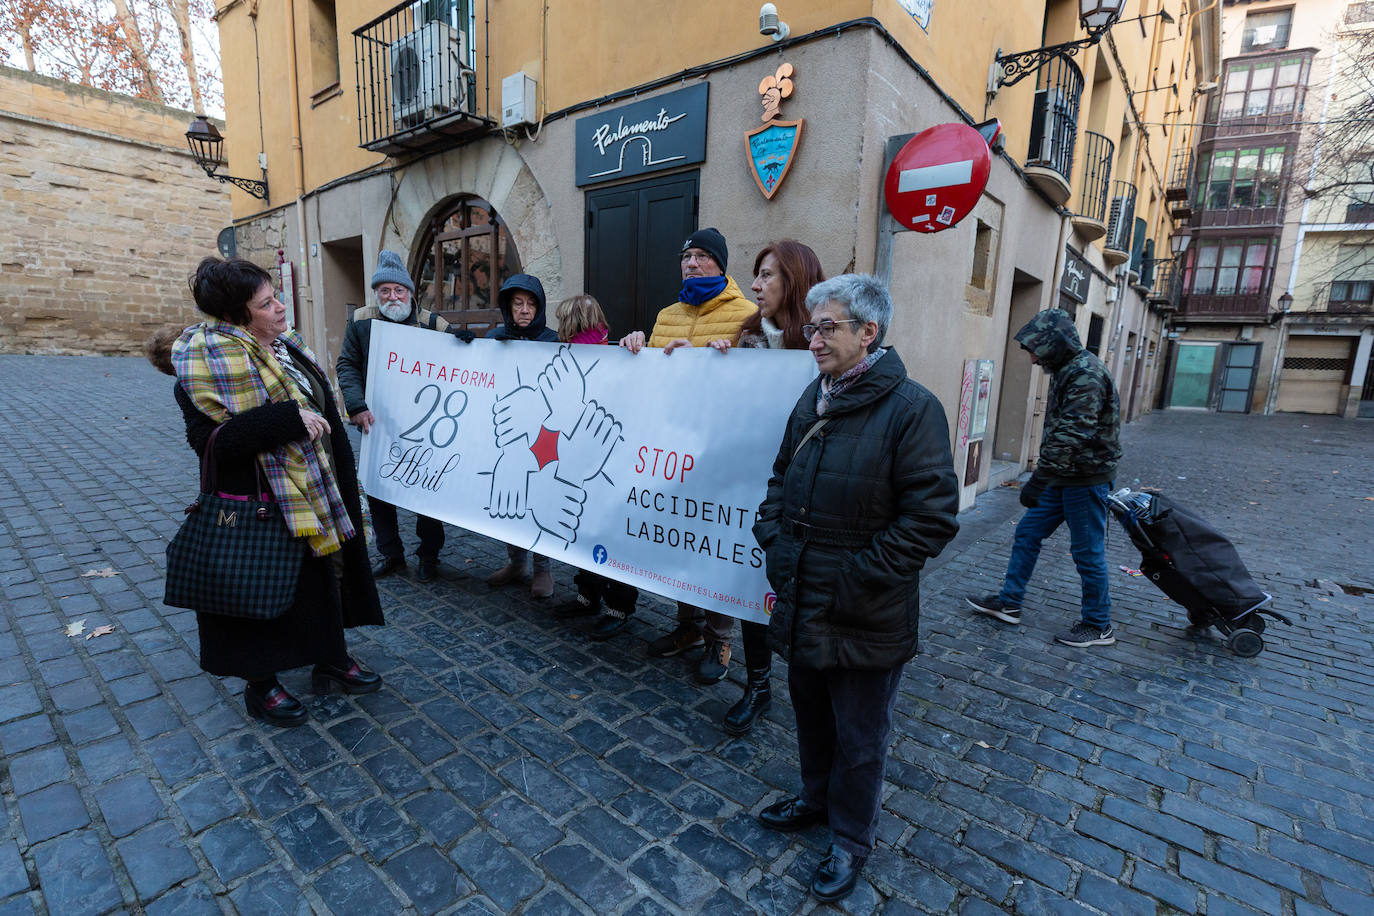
(599, 555)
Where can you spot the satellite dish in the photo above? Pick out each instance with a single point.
(226, 243)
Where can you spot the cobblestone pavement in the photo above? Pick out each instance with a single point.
(510, 765)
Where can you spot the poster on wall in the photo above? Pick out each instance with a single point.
(920, 10)
(645, 468)
(982, 398)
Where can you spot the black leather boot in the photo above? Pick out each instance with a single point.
(758, 696)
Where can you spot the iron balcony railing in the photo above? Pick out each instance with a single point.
(1168, 283)
(1054, 120)
(1097, 176)
(1181, 176)
(417, 77)
(1120, 218)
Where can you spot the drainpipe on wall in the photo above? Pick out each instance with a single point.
(318, 337)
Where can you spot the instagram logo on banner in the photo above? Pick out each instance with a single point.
(769, 599)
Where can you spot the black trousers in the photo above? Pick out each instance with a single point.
(430, 531)
(844, 722)
(596, 589)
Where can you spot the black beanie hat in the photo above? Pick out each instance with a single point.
(710, 241)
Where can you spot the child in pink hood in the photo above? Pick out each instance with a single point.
(581, 321)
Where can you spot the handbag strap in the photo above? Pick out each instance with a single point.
(209, 470)
(815, 428)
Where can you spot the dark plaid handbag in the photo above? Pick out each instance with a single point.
(234, 555)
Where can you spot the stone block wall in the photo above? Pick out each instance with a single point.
(106, 215)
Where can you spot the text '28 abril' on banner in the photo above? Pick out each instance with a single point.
(647, 468)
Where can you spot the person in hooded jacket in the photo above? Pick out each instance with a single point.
(862, 494)
(522, 303)
(1079, 451)
(395, 292)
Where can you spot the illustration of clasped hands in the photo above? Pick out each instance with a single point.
(553, 442)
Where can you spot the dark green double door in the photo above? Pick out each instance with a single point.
(634, 237)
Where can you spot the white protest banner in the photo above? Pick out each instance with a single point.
(647, 468)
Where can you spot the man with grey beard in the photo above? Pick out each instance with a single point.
(394, 291)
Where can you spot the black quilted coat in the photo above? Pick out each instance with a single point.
(850, 520)
(329, 598)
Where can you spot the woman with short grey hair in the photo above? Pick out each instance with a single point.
(863, 492)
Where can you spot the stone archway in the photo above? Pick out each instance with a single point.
(494, 171)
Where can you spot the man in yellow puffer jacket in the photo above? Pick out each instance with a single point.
(709, 307)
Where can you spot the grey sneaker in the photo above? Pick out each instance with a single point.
(1083, 635)
(993, 606)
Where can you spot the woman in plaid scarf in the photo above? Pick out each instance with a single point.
(245, 371)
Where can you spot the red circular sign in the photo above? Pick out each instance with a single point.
(937, 177)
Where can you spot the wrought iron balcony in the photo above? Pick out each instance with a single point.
(1167, 286)
(1116, 248)
(1090, 217)
(417, 77)
(1054, 127)
(1182, 184)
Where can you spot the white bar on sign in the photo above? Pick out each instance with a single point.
(935, 176)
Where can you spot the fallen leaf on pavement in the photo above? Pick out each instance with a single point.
(100, 631)
(105, 573)
(76, 627)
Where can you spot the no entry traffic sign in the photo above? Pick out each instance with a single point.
(937, 177)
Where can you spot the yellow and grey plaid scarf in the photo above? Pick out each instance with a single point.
(227, 372)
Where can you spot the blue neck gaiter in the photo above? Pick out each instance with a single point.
(696, 290)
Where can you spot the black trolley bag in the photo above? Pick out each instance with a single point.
(1197, 566)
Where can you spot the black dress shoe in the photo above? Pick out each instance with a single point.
(353, 679)
(273, 705)
(837, 874)
(426, 570)
(792, 814)
(388, 565)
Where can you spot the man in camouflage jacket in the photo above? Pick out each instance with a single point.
(1078, 454)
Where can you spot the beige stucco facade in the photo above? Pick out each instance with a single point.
(865, 73)
(106, 215)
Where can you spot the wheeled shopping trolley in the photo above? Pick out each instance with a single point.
(1195, 565)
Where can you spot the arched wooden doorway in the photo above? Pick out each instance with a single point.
(465, 253)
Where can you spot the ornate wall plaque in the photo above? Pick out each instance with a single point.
(773, 147)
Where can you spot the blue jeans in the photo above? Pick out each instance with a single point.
(1085, 509)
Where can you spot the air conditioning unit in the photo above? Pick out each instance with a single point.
(427, 73)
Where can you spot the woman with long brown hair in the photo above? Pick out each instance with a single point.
(784, 273)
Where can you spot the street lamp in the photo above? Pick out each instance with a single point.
(1178, 243)
(206, 143)
(1096, 16)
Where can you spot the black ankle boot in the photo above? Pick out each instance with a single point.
(758, 696)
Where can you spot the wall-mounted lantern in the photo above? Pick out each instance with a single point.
(1178, 243)
(206, 144)
(1096, 16)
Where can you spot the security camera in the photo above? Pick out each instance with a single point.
(770, 24)
(1206, 87)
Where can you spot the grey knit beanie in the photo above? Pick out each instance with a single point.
(390, 269)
